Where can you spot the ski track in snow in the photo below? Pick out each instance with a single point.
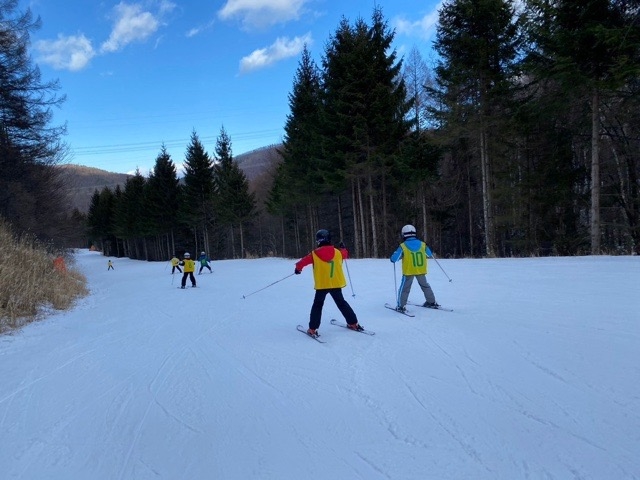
(143, 380)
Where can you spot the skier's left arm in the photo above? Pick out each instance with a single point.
(428, 252)
(343, 251)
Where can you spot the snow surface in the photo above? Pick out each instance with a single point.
(534, 375)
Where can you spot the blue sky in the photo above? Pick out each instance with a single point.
(139, 74)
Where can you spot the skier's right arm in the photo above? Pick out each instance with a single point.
(397, 255)
(303, 262)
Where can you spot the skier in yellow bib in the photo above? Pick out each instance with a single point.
(328, 279)
(189, 267)
(414, 254)
(175, 264)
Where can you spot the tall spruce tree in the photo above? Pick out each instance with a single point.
(235, 203)
(131, 221)
(100, 220)
(364, 121)
(199, 192)
(163, 199)
(478, 43)
(302, 148)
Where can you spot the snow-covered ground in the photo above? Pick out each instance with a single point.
(534, 375)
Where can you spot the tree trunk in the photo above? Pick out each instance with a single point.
(487, 205)
(297, 233)
(372, 215)
(233, 242)
(470, 207)
(423, 209)
(284, 237)
(595, 173)
(340, 229)
(354, 210)
(365, 247)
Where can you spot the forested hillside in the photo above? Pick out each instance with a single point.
(522, 139)
(81, 182)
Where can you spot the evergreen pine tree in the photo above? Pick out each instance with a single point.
(364, 123)
(236, 205)
(199, 192)
(131, 222)
(299, 173)
(163, 199)
(478, 43)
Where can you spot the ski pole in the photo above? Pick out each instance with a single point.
(271, 284)
(353, 294)
(340, 246)
(445, 273)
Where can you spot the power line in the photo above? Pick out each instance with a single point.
(155, 145)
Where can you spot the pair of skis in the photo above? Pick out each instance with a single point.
(337, 324)
(409, 314)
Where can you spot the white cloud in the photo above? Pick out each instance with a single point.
(423, 27)
(262, 13)
(166, 6)
(282, 48)
(132, 24)
(198, 30)
(66, 53)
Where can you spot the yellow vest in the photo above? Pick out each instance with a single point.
(328, 274)
(414, 263)
(189, 265)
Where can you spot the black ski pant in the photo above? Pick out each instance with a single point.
(173, 269)
(204, 266)
(191, 277)
(341, 303)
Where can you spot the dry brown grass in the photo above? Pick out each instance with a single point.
(29, 282)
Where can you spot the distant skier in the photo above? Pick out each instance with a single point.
(204, 262)
(328, 279)
(414, 254)
(175, 264)
(189, 267)
(110, 265)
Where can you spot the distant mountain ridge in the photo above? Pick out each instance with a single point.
(258, 161)
(83, 181)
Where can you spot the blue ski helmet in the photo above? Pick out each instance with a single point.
(323, 237)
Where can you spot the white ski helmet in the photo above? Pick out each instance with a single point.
(408, 231)
(187, 255)
(202, 253)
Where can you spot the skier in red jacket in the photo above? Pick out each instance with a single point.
(328, 279)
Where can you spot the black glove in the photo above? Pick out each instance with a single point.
(297, 272)
(341, 245)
